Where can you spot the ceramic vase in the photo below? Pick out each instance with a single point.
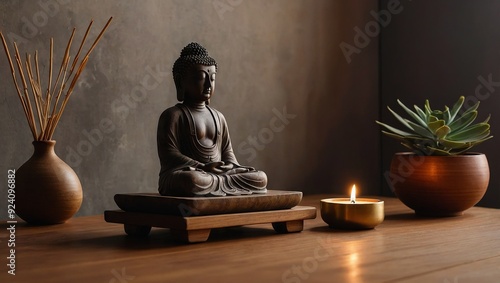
(48, 191)
(439, 185)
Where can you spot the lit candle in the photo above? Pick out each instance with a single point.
(352, 213)
(353, 194)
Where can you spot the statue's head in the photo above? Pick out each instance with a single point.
(192, 56)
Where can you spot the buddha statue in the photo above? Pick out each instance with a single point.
(193, 140)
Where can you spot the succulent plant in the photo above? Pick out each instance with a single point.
(436, 132)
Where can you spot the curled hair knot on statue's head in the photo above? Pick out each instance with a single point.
(192, 54)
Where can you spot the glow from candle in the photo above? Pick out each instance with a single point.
(353, 194)
(353, 262)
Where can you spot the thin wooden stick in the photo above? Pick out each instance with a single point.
(61, 68)
(30, 77)
(36, 95)
(68, 94)
(85, 59)
(50, 128)
(13, 72)
(80, 48)
(25, 87)
(50, 109)
(55, 109)
(77, 75)
(37, 69)
(78, 53)
(59, 113)
(51, 59)
(48, 98)
(83, 63)
(97, 39)
(39, 84)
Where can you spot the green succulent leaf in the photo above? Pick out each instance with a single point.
(475, 139)
(453, 144)
(434, 126)
(463, 121)
(411, 147)
(413, 114)
(425, 132)
(470, 132)
(392, 135)
(482, 140)
(442, 131)
(427, 106)
(420, 113)
(487, 119)
(434, 132)
(408, 139)
(437, 151)
(446, 115)
(473, 108)
(394, 130)
(400, 119)
(456, 108)
(438, 114)
(432, 119)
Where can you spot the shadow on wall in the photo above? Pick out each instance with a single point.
(424, 57)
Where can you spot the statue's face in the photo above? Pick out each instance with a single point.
(199, 84)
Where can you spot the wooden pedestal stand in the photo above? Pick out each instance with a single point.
(194, 226)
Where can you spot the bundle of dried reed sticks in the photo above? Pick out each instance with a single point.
(48, 104)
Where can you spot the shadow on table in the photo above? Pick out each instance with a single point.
(162, 238)
(397, 219)
(403, 216)
(411, 216)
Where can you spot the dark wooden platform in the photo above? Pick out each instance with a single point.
(197, 206)
(194, 229)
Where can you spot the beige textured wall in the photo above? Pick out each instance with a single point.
(272, 56)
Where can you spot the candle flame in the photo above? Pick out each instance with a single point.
(353, 194)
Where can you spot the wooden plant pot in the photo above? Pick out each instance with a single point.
(439, 185)
(48, 191)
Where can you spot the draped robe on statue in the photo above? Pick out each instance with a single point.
(181, 153)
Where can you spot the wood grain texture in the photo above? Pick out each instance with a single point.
(404, 248)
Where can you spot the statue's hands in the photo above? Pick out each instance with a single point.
(226, 167)
(220, 167)
(248, 168)
(236, 169)
(216, 167)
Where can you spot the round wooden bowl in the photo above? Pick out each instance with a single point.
(439, 185)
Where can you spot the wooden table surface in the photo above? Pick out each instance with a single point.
(404, 248)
